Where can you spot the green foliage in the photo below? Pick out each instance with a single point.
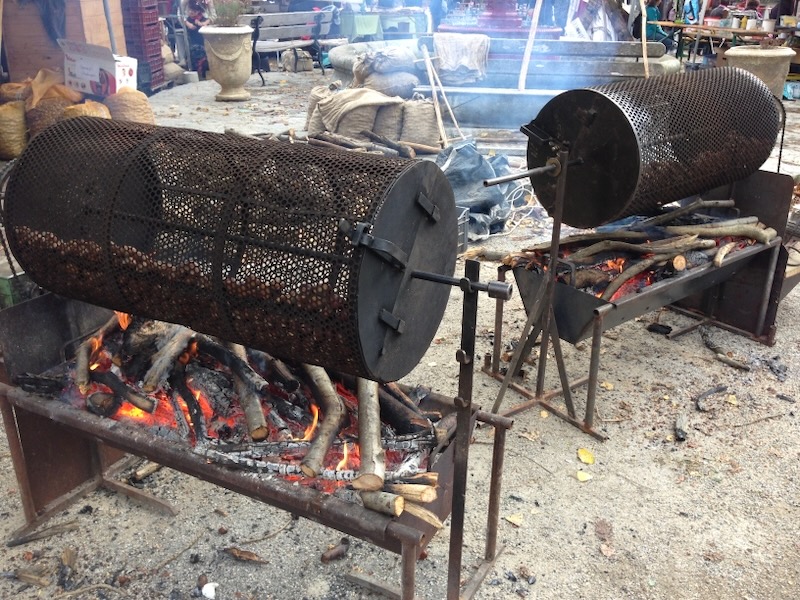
(228, 12)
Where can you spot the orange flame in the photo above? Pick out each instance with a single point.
(342, 464)
(616, 264)
(189, 353)
(307, 434)
(124, 320)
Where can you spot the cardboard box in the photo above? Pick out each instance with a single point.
(95, 70)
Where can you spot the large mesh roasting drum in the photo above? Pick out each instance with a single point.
(302, 252)
(648, 142)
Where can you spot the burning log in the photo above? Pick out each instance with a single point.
(384, 502)
(630, 273)
(678, 244)
(279, 370)
(84, 353)
(413, 492)
(393, 411)
(104, 404)
(237, 365)
(398, 393)
(334, 412)
(249, 401)
(163, 360)
(181, 426)
(373, 458)
(177, 380)
(122, 391)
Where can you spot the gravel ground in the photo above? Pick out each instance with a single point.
(711, 517)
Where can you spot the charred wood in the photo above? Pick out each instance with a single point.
(177, 380)
(249, 401)
(123, 391)
(83, 355)
(238, 366)
(393, 411)
(278, 369)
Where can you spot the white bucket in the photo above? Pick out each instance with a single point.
(751, 24)
(736, 22)
(768, 24)
(191, 77)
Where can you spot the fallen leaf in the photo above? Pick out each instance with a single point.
(244, 555)
(544, 414)
(607, 385)
(603, 530)
(731, 399)
(516, 519)
(607, 550)
(583, 476)
(585, 456)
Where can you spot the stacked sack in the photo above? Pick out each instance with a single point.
(30, 106)
(380, 99)
(172, 70)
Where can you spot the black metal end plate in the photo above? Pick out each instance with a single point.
(431, 246)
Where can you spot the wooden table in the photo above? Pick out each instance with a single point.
(713, 33)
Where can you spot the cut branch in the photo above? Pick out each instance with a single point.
(373, 458)
(334, 412)
(413, 492)
(765, 236)
(384, 502)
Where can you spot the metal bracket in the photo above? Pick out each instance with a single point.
(386, 250)
(429, 207)
(392, 320)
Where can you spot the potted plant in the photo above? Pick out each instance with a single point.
(229, 47)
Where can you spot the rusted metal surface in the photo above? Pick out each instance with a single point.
(300, 251)
(649, 142)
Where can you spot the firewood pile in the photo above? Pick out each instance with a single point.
(366, 442)
(613, 263)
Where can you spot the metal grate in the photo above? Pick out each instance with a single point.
(648, 142)
(306, 253)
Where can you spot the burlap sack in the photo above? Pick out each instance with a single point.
(389, 121)
(173, 72)
(304, 61)
(393, 84)
(315, 124)
(45, 113)
(393, 59)
(361, 70)
(419, 123)
(11, 92)
(318, 93)
(167, 55)
(13, 129)
(89, 108)
(130, 105)
(357, 120)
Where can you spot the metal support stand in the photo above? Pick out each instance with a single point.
(541, 320)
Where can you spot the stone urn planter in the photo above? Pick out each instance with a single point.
(771, 65)
(229, 51)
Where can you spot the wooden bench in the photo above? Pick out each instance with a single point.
(284, 31)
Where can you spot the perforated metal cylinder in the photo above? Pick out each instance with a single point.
(303, 252)
(648, 142)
